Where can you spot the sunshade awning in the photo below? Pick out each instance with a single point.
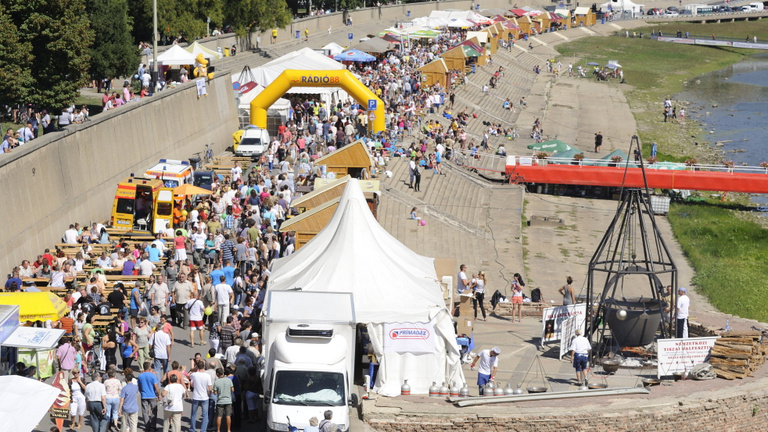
(36, 306)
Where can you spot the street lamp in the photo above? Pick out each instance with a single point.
(154, 46)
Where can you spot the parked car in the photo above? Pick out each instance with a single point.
(655, 11)
(724, 9)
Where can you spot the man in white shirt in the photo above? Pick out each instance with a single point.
(70, 235)
(202, 386)
(224, 297)
(174, 406)
(489, 364)
(462, 284)
(158, 294)
(96, 395)
(580, 348)
(26, 270)
(236, 172)
(161, 343)
(198, 238)
(146, 267)
(683, 303)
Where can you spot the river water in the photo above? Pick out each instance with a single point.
(740, 118)
(733, 102)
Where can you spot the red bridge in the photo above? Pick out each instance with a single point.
(664, 175)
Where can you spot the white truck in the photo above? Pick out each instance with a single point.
(309, 353)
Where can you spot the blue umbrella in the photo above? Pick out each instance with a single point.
(355, 56)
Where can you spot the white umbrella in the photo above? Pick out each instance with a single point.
(25, 402)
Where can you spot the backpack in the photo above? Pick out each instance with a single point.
(103, 309)
(536, 295)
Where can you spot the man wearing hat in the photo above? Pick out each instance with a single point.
(683, 302)
(580, 348)
(489, 363)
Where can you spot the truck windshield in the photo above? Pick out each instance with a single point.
(309, 388)
(250, 141)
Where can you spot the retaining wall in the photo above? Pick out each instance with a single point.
(71, 176)
(740, 409)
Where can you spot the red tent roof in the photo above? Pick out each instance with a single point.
(518, 12)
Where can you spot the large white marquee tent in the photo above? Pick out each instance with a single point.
(390, 283)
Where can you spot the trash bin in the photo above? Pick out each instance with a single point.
(297, 34)
(195, 162)
(408, 14)
(602, 20)
(473, 68)
(226, 52)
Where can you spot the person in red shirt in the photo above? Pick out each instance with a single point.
(47, 255)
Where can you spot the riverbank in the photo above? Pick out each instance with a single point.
(723, 242)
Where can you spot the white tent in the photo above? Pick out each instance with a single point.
(334, 48)
(308, 59)
(25, 402)
(431, 22)
(622, 5)
(176, 56)
(244, 101)
(196, 49)
(458, 14)
(392, 285)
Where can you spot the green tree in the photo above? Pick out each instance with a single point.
(254, 15)
(59, 38)
(15, 58)
(114, 54)
(174, 18)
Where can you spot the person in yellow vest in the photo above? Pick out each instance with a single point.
(306, 35)
(274, 36)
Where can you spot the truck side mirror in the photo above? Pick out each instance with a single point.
(353, 401)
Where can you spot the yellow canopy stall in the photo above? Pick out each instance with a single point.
(434, 72)
(36, 306)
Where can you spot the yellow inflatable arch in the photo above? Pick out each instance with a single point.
(316, 78)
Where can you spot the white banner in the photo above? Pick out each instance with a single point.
(414, 338)
(568, 332)
(552, 320)
(201, 90)
(679, 355)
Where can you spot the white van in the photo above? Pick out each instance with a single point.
(172, 172)
(756, 7)
(253, 142)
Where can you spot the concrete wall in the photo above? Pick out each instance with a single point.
(740, 408)
(71, 176)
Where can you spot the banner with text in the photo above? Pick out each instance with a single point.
(679, 355)
(552, 320)
(414, 338)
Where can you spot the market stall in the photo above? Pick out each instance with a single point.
(435, 72)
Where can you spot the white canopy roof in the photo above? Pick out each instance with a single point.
(458, 14)
(176, 56)
(25, 402)
(370, 253)
(431, 22)
(305, 58)
(390, 284)
(627, 5)
(196, 49)
(246, 98)
(334, 48)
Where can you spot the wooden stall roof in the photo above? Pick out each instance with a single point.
(480, 36)
(312, 221)
(457, 52)
(354, 155)
(321, 194)
(326, 190)
(438, 66)
(582, 11)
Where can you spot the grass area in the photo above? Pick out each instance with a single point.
(728, 253)
(655, 70)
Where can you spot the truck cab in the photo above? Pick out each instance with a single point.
(309, 358)
(172, 172)
(251, 142)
